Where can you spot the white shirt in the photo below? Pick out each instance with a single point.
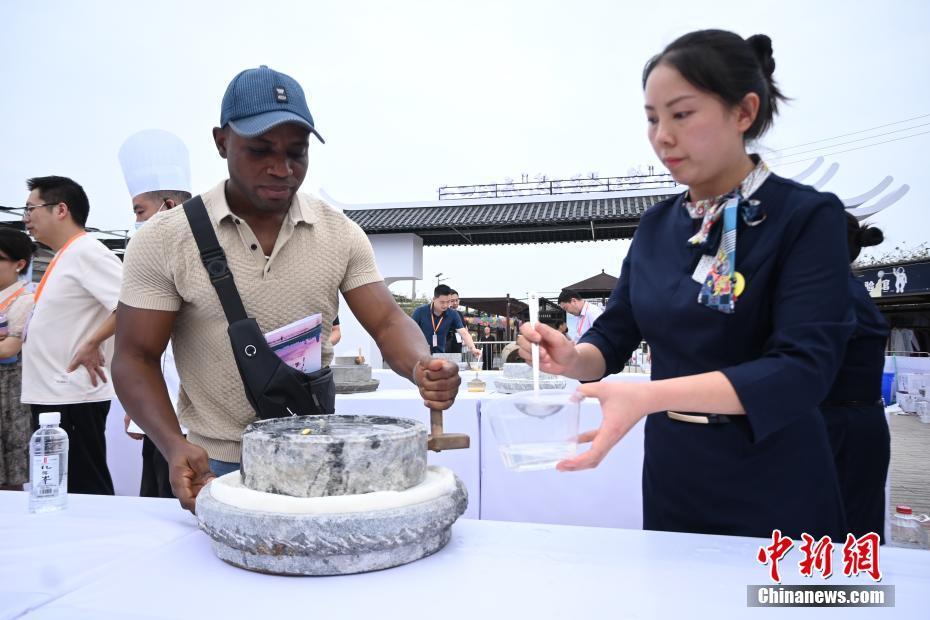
(80, 293)
(578, 325)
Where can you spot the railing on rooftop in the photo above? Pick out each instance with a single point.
(557, 186)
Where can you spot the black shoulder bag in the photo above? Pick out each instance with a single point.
(273, 388)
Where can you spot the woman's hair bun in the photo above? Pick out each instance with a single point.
(762, 46)
(869, 236)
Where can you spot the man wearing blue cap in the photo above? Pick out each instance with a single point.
(289, 254)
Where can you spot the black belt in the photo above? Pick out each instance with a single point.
(852, 403)
(698, 418)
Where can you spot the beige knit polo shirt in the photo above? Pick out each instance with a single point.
(318, 251)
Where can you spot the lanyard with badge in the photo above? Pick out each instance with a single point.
(45, 276)
(432, 318)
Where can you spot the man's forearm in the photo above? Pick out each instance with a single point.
(467, 339)
(143, 393)
(402, 344)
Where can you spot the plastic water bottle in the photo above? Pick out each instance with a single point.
(905, 528)
(48, 465)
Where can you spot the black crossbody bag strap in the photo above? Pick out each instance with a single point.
(273, 388)
(214, 259)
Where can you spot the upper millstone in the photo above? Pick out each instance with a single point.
(317, 456)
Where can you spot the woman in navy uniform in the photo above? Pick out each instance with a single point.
(854, 411)
(740, 287)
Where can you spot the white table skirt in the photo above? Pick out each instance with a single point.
(608, 496)
(133, 558)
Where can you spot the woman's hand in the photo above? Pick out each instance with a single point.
(557, 354)
(622, 406)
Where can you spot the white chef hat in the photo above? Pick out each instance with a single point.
(155, 160)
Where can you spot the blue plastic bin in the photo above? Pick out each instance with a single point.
(888, 387)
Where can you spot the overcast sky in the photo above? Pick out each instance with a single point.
(414, 95)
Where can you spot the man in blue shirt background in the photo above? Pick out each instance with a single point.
(436, 319)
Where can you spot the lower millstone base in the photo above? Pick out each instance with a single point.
(329, 544)
(333, 564)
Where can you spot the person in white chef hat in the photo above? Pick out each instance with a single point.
(156, 166)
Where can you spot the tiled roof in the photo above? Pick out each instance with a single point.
(600, 282)
(524, 222)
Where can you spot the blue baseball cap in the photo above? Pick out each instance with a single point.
(259, 99)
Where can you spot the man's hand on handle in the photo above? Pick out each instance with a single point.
(438, 381)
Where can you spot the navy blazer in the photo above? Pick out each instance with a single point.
(780, 350)
(860, 374)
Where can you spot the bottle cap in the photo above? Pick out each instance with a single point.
(903, 510)
(53, 418)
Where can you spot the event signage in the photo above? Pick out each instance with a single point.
(907, 279)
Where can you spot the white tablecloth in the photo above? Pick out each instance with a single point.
(490, 570)
(45, 556)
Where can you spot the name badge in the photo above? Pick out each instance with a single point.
(435, 341)
(703, 268)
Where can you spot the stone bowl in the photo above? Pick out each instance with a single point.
(509, 385)
(318, 456)
(330, 544)
(522, 370)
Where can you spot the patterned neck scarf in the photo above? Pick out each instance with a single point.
(723, 284)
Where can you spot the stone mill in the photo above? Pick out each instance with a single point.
(331, 495)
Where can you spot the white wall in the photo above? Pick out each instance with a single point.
(399, 257)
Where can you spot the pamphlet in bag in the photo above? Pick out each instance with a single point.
(298, 344)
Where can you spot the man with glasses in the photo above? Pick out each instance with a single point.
(579, 314)
(67, 341)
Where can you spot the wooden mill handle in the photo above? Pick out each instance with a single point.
(435, 422)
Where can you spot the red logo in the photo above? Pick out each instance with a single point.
(860, 555)
(775, 552)
(817, 556)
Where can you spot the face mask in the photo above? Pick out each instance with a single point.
(138, 225)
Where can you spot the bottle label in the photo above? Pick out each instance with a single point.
(45, 475)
